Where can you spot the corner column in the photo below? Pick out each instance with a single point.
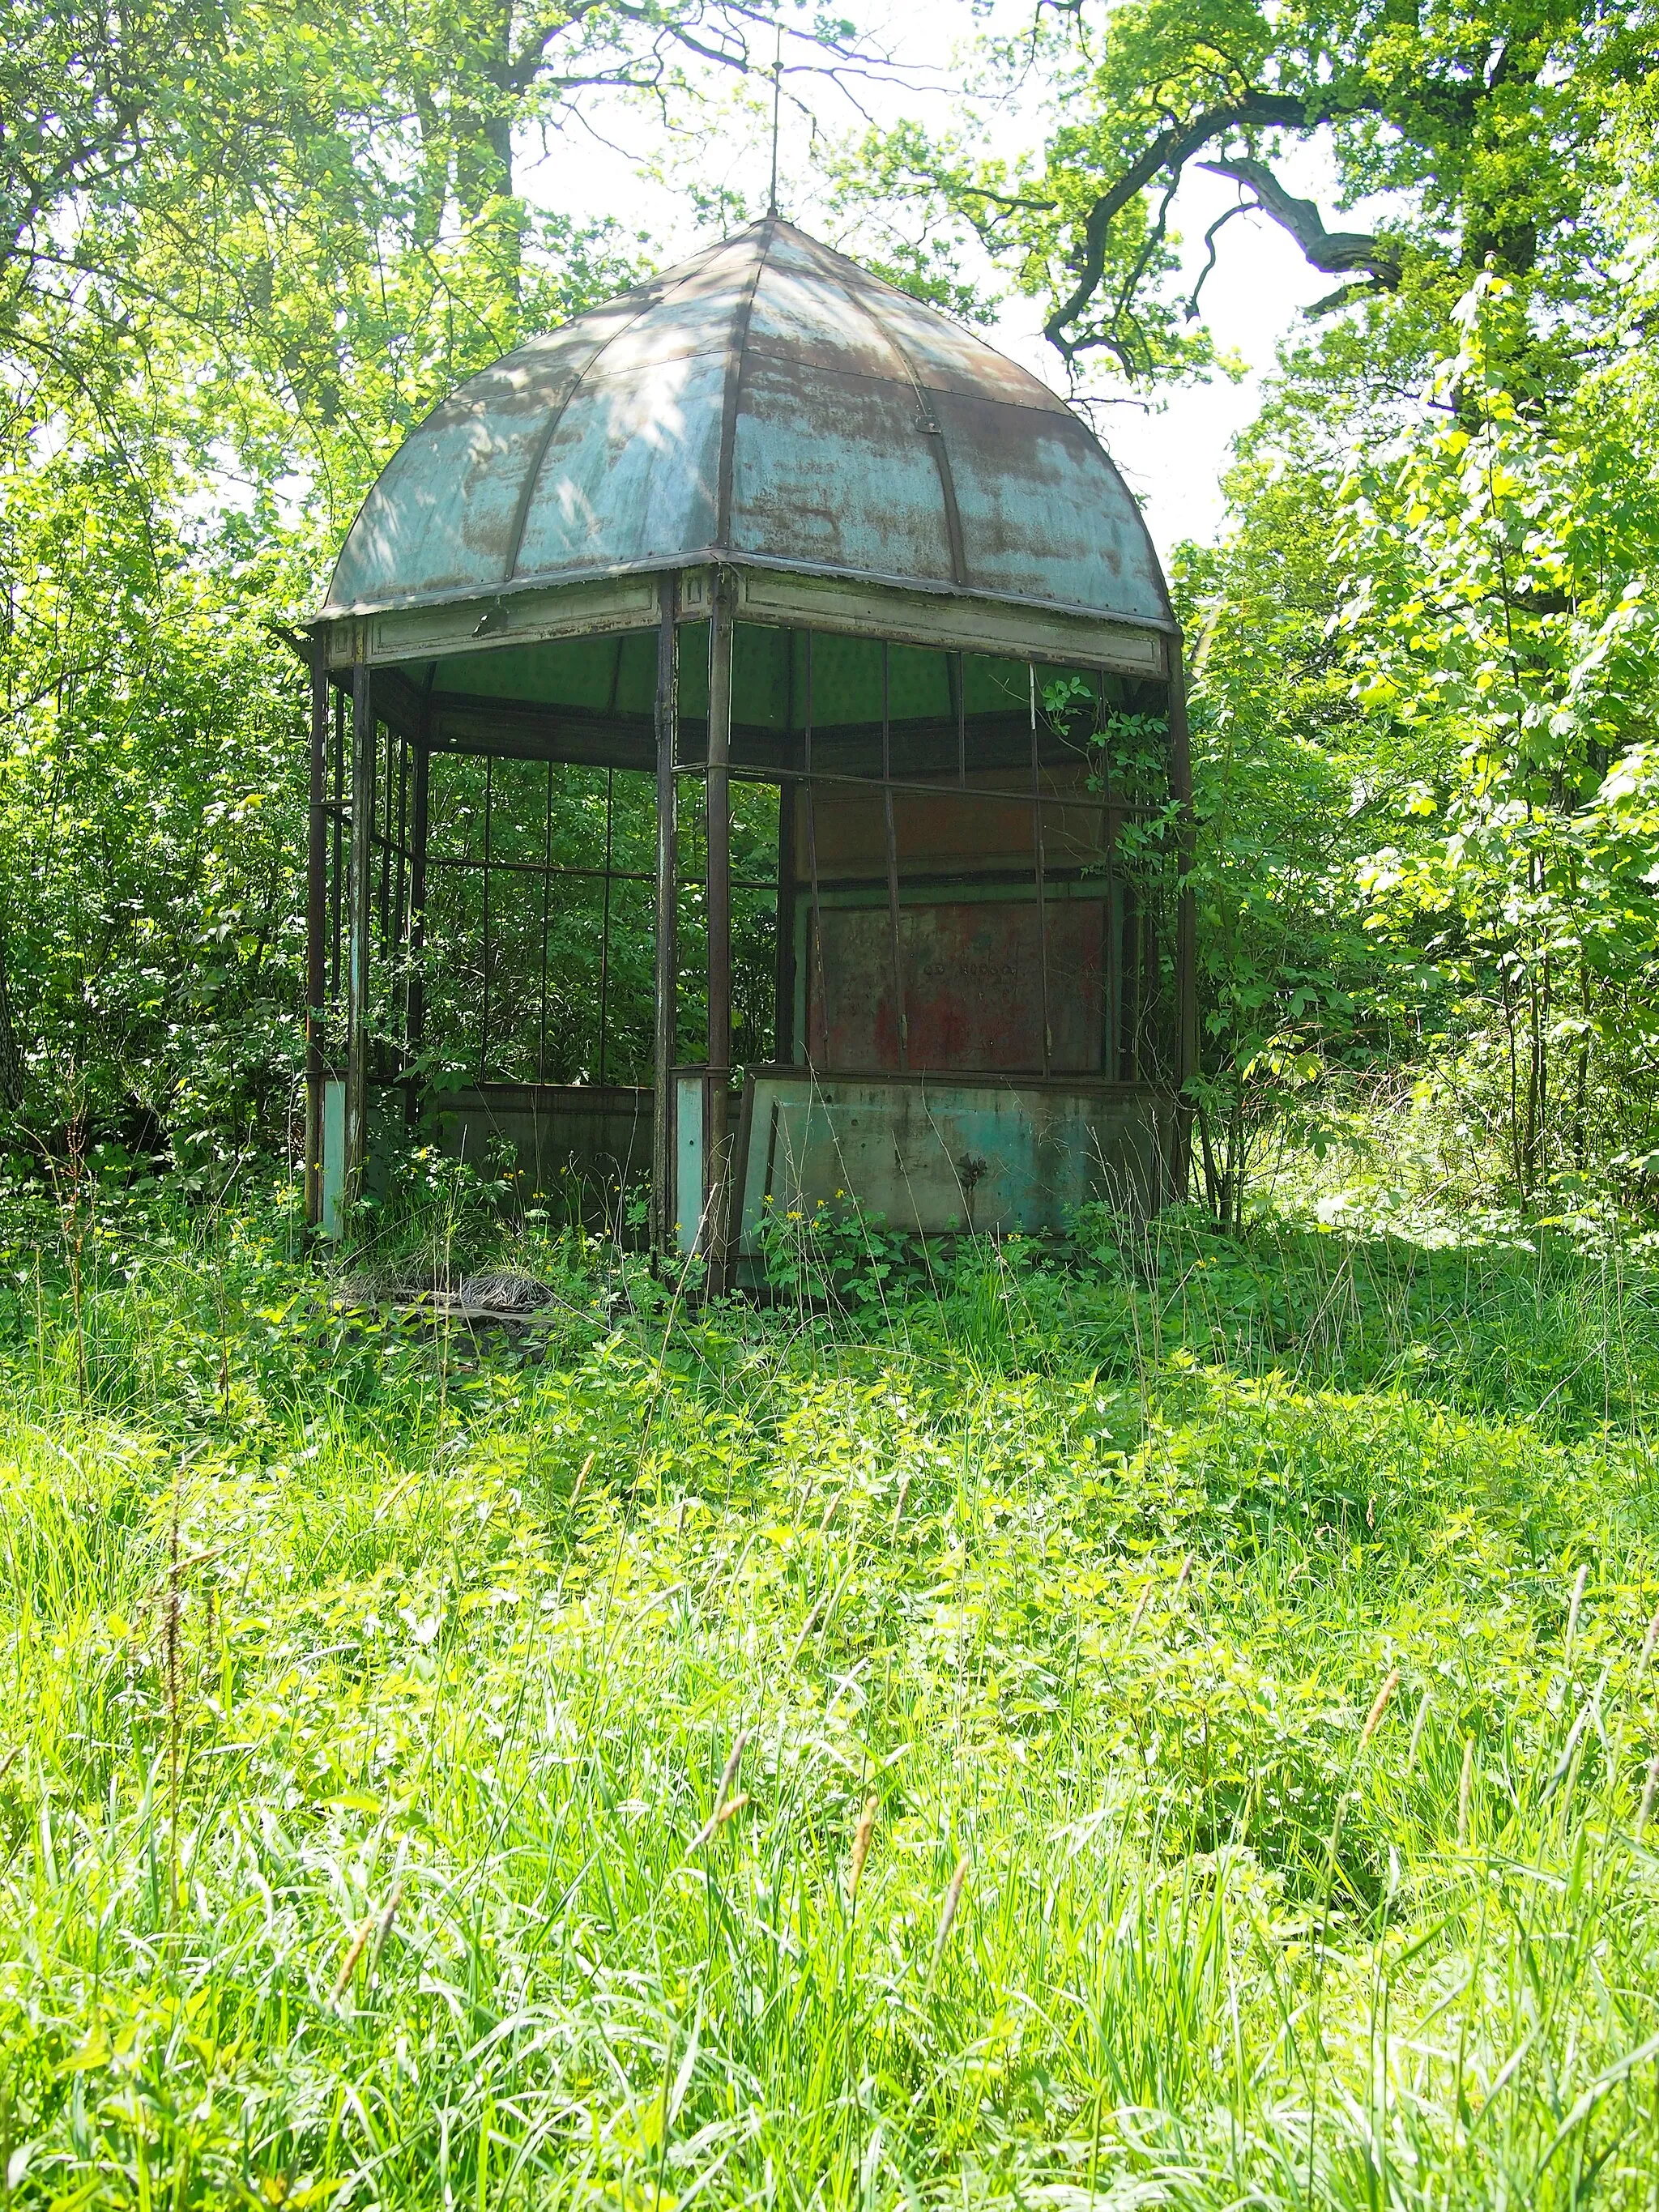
(715, 1242)
(360, 893)
(663, 1150)
(316, 928)
(1185, 946)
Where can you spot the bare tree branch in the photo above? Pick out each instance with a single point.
(1210, 235)
(1334, 252)
(1171, 150)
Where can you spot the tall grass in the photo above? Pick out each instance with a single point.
(780, 1757)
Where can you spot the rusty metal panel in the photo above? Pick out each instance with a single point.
(939, 834)
(629, 474)
(872, 441)
(802, 311)
(971, 973)
(441, 517)
(583, 1141)
(935, 1154)
(859, 493)
(1044, 514)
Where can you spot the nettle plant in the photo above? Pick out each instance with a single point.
(835, 1253)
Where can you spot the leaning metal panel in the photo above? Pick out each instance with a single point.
(938, 1154)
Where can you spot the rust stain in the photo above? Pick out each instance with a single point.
(970, 976)
(887, 444)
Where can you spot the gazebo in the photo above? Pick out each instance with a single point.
(767, 531)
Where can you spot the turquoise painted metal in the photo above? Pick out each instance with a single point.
(933, 1155)
(766, 403)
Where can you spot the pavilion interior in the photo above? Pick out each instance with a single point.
(940, 861)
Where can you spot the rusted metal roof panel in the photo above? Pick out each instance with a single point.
(860, 496)
(767, 401)
(445, 514)
(799, 316)
(1043, 508)
(630, 471)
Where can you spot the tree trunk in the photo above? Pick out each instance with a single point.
(11, 1059)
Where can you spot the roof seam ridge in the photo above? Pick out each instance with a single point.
(737, 352)
(928, 423)
(533, 476)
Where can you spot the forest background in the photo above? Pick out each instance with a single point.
(243, 249)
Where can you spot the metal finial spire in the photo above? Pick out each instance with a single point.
(777, 85)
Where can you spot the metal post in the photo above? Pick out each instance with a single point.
(718, 794)
(1186, 961)
(604, 921)
(816, 991)
(316, 928)
(385, 841)
(337, 873)
(1133, 978)
(400, 883)
(1112, 951)
(420, 823)
(1038, 857)
(783, 1023)
(361, 895)
(663, 1150)
(890, 829)
(958, 675)
(547, 888)
(484, 1010)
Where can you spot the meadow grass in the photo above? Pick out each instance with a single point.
(1172, 1724)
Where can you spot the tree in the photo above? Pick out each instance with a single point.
(1425, 803)
(1487, 128)
(1497, 604)
(241, 251)
(1290, 795)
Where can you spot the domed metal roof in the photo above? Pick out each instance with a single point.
(767, 402)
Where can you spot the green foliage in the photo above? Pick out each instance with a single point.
(1283, 798)
(1487, 132)
(241, 253)
(837, 1256)
(1422, 678)
(209, 346)
(1496, 616)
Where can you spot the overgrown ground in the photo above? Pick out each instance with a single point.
(1179, 1720)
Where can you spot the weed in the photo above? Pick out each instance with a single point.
(1193, 1699)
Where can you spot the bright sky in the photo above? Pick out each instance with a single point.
(1173, 456)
